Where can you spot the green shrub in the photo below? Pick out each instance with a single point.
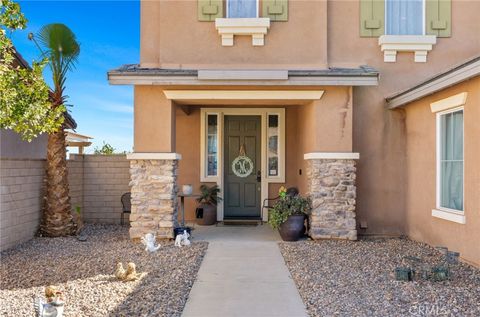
(286, 206)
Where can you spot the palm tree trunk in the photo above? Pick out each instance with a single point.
(57, 218)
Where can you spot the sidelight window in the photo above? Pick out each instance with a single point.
(273, 134)
(212, 145)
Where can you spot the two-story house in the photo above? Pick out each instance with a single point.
(257, 94)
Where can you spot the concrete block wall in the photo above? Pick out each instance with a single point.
(105, 179)
(96, 184)
(75, 180)
(21, 199)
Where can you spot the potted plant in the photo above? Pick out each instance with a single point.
(288, 215)
(206, 212)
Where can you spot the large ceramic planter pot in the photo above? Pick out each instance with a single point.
(206, 215)
(292, 229)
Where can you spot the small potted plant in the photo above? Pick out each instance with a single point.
(206, 212)
(288, 215)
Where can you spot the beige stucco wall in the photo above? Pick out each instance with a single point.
(320, 34)
(379, 134)
(300, 43)
(154, 119)
(421, 174)
(321, 126)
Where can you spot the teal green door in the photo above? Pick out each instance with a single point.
(242, 166)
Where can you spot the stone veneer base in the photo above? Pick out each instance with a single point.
(331, 184)
(154, 198)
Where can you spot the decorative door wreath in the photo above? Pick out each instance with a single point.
(242, 165)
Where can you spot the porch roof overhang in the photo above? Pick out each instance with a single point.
(134, 74)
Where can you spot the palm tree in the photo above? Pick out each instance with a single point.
(58, 44)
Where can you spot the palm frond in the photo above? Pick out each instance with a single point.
(59, 45)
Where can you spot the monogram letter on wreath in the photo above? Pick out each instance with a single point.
(242, 165)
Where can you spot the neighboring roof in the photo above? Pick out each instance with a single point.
(69, 121)
(78, 140)
(19, 59)
(73, 137)
(453, 76)
(132, 74)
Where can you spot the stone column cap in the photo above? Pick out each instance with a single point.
(154, 156)
(331, 156)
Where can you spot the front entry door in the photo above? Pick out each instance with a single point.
(242, 166)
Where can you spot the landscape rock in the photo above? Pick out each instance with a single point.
(84, 272)
(348, 278)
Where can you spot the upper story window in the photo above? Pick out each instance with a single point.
(242, 8)
(405, 17)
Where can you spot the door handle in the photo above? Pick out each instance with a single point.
(259, 176)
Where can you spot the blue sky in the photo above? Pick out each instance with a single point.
(109, 35)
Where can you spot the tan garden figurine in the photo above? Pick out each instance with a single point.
(130, 274)
(120, 271)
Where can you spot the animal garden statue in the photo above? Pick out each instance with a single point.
(52, 306)
(130, 274)
(149, 242)
(182, 239)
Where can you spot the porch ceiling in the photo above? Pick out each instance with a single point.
(243, 97)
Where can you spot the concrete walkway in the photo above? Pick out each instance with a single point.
(242, 274)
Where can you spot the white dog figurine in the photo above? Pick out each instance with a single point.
(178, 240)
(185, 240)
(182, 239)
(149, 242)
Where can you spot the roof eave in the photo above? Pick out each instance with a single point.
(129, 75)
(441, 81)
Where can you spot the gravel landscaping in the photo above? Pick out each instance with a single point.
(344, 278)
(84, 272)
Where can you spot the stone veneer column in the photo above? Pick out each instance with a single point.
(154, 196)
(331, 185)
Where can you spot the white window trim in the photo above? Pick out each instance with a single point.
(227, 5)
(451, 102)
(280, 177)
(204, 177)
(450, 216)
(266, 180)
(254, 27)
(453, 215)
(420, 44)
